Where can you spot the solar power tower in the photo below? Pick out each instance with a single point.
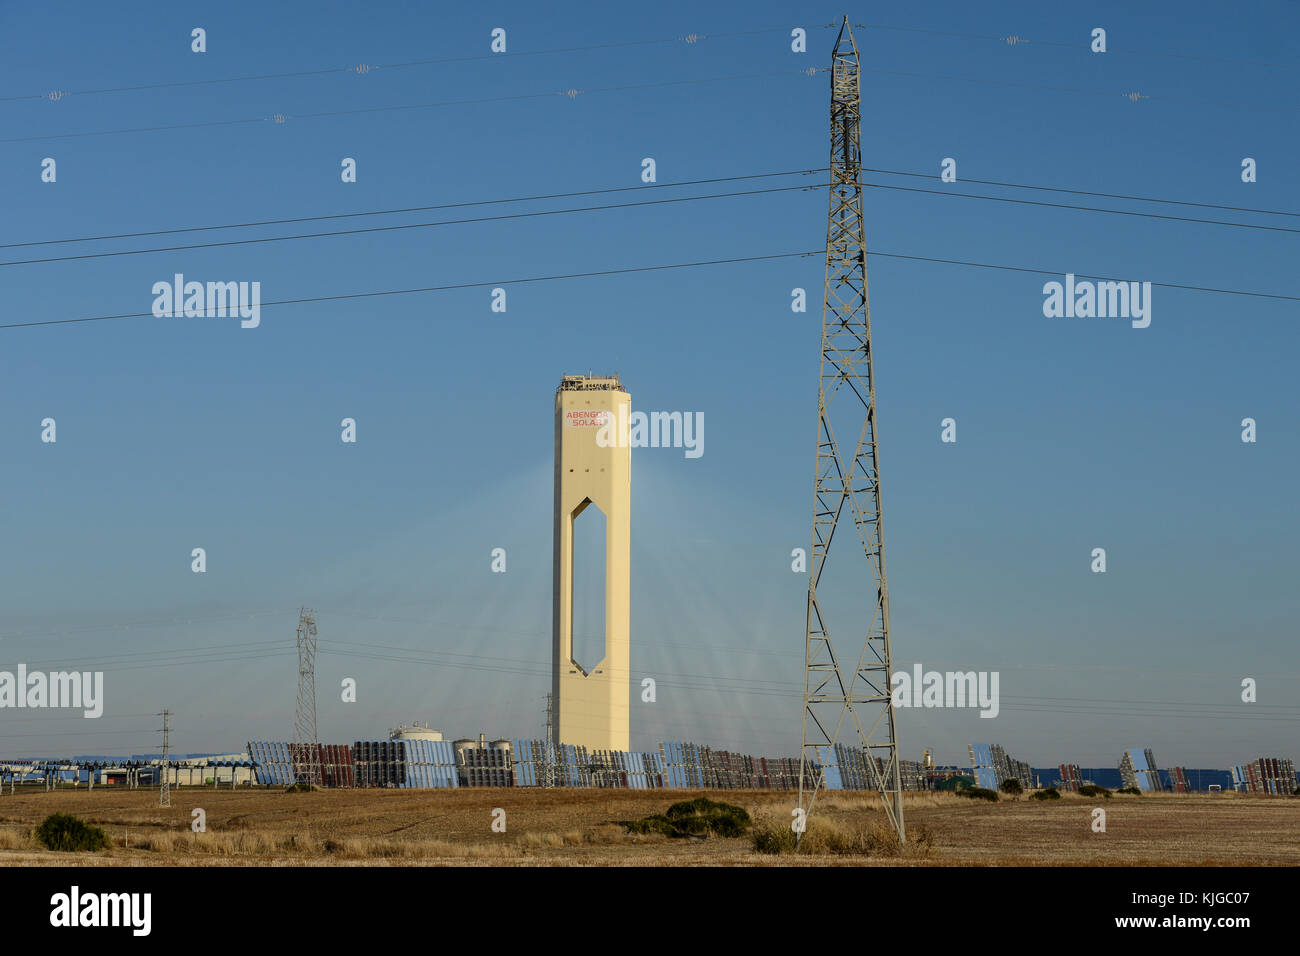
(846, 489)
(304, 719)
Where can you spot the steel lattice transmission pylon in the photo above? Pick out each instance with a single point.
(165, 784)
(307, 758)
(835, 689)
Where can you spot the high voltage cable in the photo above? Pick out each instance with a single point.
(1084, 275)
(1059, 205)
(579, 209)
(186, 619)
(442, 288)
(1082, 192)
(691, 38)
(386, 618)
(1016, 39)
(642, 187)
(750, 686)
(1133, 96)
(366, 68)
(281, 118)
(414, 225)
(631, 205)
(661, 268)
(388, 212)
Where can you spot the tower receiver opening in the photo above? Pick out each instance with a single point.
(588, 586)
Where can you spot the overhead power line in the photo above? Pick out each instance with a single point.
(691, 681)
(630, 205)
(1059, 205)
(555, 212)
(441, 288)
(1083, 45)
(363, 69)
(407, 209)
(1134, 96)
(1084, 192)
(663, 268)
(279, 119)
(1084, 275)
(646, 187)
(405, 226)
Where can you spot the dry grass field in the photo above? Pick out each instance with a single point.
(579, 828)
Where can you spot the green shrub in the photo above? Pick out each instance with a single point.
(1130, 790)
(1051, 793)
(978, 793)
(703, 815)
(695, 818)
(1092, 790)
(655, 824)
(62, 831)
(1012, 786)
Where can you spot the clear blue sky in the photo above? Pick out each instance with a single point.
(1072, 434)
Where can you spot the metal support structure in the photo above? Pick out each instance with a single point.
(835, 689)
(550, 752)
(165, 787)
(307, 763)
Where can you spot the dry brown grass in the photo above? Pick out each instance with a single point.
(839, 830)
(578, 827)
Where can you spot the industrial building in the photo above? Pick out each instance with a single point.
(132, 772)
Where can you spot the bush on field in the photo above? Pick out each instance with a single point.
(1130, 790)
(1051, 793)
(978, 793)
(655, 824)
(1092, 790)
(695, 818)
(62, 831)
(1012, 786)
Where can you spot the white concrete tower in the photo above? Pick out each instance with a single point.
(593, 467)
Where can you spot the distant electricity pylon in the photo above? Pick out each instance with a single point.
(304, 721)
(847, 397)
(547, 772)
(165, 789)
